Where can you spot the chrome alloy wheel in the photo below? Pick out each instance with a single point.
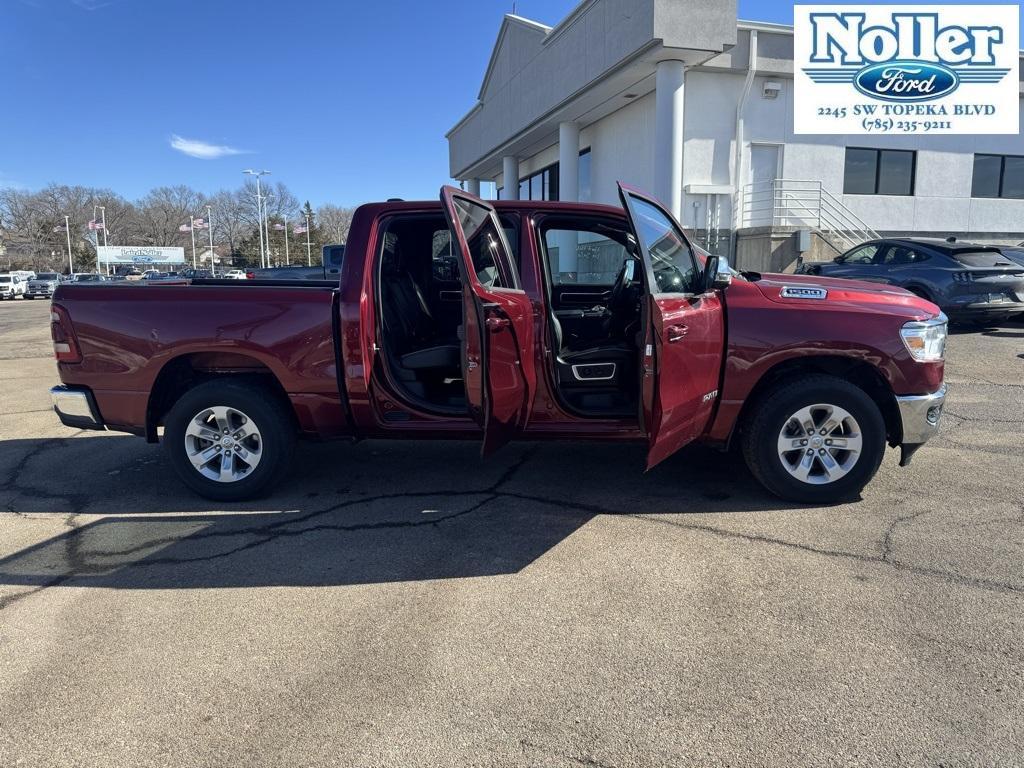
(223, 444)
(820, 444)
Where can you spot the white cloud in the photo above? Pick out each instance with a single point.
(92, 5)
(202, 149)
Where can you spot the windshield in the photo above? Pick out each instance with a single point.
(4, 279)
(47, 276)
(86, 278)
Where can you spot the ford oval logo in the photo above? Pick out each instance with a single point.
(904, 80)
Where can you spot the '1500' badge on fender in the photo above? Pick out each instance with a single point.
(898, 69)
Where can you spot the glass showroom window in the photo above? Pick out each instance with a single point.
(879, 171)
(998, 176)
(543, 185)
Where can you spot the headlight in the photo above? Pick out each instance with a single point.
(926, 340)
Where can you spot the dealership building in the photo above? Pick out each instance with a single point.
(684, 100)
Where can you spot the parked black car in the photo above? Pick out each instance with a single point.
(970, 282)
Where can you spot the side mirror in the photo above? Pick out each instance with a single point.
(717, 273)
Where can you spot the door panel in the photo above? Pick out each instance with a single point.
(497, 338)
(688, 335)
(682, 360)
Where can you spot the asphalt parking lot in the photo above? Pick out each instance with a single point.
(401, 604)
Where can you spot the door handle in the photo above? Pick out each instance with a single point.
(676, 333)
(495, 324)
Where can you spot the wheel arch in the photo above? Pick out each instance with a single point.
(919, 289)
(862, 374)
(186, 371)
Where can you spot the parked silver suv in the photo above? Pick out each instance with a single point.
(43, 286)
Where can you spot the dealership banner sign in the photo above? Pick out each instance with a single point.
(906, 69)
(145, 254)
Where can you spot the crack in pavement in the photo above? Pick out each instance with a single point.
(79, 565)
(593, 762)
(79, 562)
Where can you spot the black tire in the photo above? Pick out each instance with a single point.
(773, 411)
(263, 407)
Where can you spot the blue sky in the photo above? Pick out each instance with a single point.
(343, 100)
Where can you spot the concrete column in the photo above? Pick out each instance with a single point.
(510, 176)
(473, 186)
(568, 162)
(568, 189)
(668, 135)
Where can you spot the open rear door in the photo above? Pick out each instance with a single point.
(497, 330)
(685, 332)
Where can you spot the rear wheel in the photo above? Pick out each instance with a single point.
(817, 440)
(229, 440)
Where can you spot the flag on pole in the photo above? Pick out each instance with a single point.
(279, 227)
(94, 225)
(184, 228)
(300, 229)
(199, 224)
(59, 229)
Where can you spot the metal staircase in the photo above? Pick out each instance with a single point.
(803, 205)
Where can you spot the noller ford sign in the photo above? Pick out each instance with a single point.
(906, 69)
(146, 254)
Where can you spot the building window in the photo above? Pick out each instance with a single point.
(998, 176)
(584, 177)
(543, 185)
(879, 171)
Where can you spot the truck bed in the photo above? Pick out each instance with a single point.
(132, 337)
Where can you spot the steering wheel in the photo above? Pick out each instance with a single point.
(619, 288)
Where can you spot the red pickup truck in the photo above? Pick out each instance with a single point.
(505, 320)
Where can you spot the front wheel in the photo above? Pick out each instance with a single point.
(229, 440)
(819, 440)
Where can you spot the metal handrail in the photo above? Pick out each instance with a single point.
(780, 202)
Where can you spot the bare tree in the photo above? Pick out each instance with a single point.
(32, 223)
(334, 222)
(164, 210)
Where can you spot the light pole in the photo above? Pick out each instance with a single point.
(264, 252)
(209, 224)
(67, 231)
(287, 261)
(266, 222)
(102, 226)
(309, 253)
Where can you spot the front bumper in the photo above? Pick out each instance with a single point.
(920, 416)
(76, 407)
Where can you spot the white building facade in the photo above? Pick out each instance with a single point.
(662, 95)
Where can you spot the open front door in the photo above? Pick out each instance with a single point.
(497, 328)
(685, 332)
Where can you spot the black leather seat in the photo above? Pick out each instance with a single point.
(592, 365)
(411, 331)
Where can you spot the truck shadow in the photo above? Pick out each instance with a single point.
(349, 514)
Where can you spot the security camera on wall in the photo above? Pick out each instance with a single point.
(771, 89)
